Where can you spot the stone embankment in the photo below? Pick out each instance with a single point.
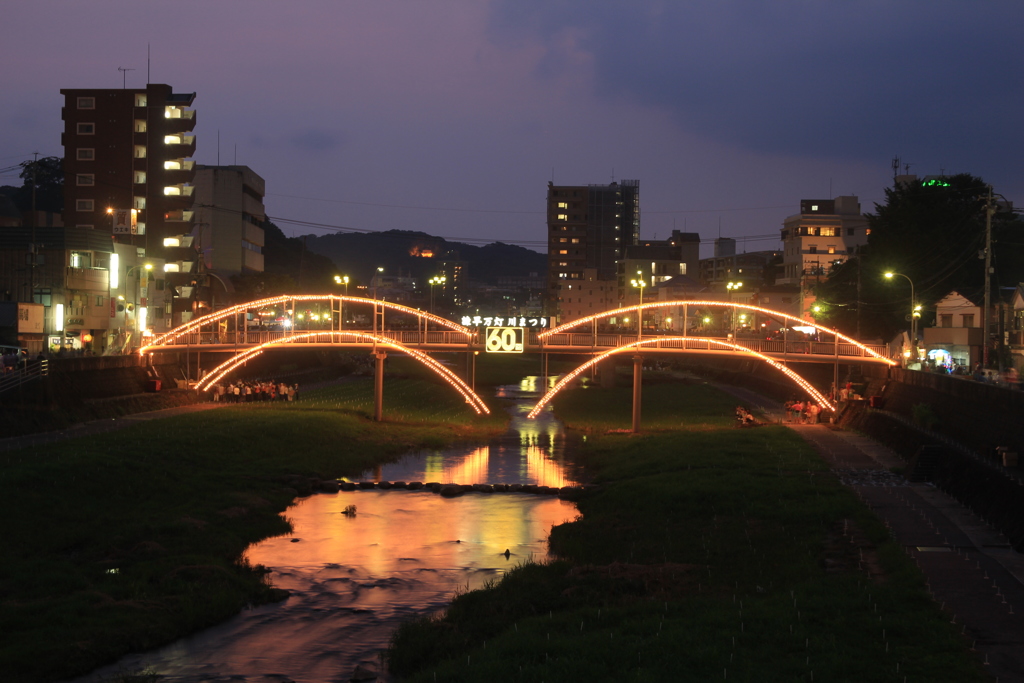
(304, 486)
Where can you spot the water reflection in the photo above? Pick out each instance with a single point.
(353, 579)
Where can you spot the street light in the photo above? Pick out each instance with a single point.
(342, 280)
(915, 310)
(732, 287)
(639, 283)
(436, 280)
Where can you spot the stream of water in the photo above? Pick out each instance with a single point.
(354, 578)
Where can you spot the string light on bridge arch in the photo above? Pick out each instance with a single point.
(567, 379)
(471, 397)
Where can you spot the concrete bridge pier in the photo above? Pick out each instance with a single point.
(638, 375)
(378, 385)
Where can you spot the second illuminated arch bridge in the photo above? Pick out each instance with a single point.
(409, 330)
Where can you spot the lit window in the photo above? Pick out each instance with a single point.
(85, 154)
(140, 151)
(575, 240)
(172, 139)
(172, 191)
(140, 99)
(563, 252)
(140, 177)
(86, 102)
(172, 242)
(563, 216)
(563, 205)
(84, 205)
(86, 129)
(831, 250)
(171, 267)
(172, 165)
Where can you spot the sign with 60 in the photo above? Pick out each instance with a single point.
(504, 340)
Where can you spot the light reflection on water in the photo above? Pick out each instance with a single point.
(353, 579)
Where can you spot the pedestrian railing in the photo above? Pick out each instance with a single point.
(29, 372)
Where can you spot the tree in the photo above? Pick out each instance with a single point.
(48, 175)
(933, 232)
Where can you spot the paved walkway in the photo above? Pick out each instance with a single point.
(971, 570)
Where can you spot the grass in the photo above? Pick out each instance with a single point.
(128, 540)
(710, 552)
(666, 405)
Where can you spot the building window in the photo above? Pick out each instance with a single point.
(85, 179)
(831, 250)
(575, 240)
(84, 205)
(140, 177)
(968, 319)
(140, 99)
(828, 232)
(563, 252)
(563, 205)
(100, 300)
(563, 216)
(85, 154)
(86, 102)
(86, 129)
(849, 232)
(140, 125)
(140, 151)
(946, 320)
(812, 249)
(42, 295)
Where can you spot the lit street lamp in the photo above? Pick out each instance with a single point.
(342, 280)
(915, 311)
(732, 287)
(639, 283)
(436, 280)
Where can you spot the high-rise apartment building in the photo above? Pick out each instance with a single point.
(229, 216)
(128, 172)
(589, 227)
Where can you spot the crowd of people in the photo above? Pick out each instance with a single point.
(802, 412)
(248, 392)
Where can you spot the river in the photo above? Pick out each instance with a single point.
(353, 578)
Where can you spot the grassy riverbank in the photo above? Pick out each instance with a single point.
(130, 539)
(710, 553)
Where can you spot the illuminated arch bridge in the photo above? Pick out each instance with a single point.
(226, 331)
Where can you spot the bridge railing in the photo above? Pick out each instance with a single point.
(769, 346)
(254, 338)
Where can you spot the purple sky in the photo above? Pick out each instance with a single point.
(450, 116)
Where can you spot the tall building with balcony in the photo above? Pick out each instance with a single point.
(823, 235)
(128, 172)
(589, 228)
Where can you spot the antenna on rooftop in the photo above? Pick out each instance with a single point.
(124, 76)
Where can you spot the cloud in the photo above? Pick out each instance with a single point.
(312, 140)
(854, 80)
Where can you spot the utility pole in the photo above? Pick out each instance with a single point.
(989, 210)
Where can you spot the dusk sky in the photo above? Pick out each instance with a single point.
(450, 117)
